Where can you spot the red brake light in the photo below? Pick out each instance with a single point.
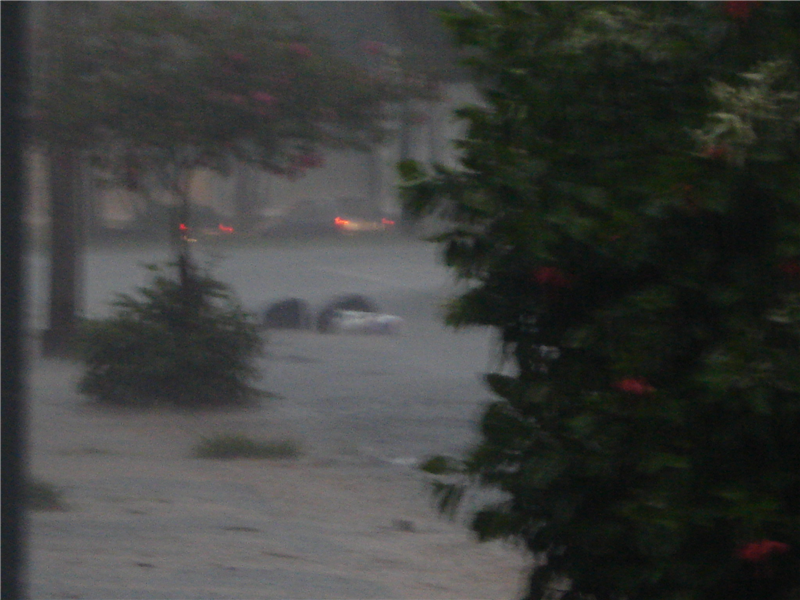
(225, 228)
(387, 221)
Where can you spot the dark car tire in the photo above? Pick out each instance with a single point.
(350, 302)
(292, 313)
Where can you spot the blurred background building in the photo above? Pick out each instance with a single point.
(411, 30)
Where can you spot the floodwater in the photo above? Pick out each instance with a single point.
(401, 396)
(350, 518)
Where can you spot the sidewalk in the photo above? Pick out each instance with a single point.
(146, 520)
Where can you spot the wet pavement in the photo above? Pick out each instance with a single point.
(350, 518)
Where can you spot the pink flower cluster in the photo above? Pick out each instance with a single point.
(790, 268)
(237, 57)
(550, 277)
(757, 552)
(263, 97)
(299, 163)
(635, 385)
(717, 152)
(374, 48)
(740, 9)
(300, 49)
(310, 160)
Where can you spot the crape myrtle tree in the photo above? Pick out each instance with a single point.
(626, 215)
(157, 90)
(199, 84)
(221, 84)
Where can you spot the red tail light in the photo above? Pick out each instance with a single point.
(225, 228)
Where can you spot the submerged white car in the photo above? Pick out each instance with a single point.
(354, 321)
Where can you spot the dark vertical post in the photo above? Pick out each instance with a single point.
(65, 235)
(433, 132)
(13, 542)
(66, 216)
(405, 154)
(245, 195)
(405, 129)
(181, 186)
(374, 178)
(92, 219)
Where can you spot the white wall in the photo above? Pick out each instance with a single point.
(344, 174)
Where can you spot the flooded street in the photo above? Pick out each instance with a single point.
(364, 409)
(400, 397)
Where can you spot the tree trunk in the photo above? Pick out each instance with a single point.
(406, 224)
(92, 211)
(65, 243)
(182, 236)
(374, 179)
(245, 198)
(433, 132)
(405, 130)
(66, 214)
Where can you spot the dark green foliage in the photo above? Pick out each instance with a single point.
(627, 214)
(184, 345)
(238, 446)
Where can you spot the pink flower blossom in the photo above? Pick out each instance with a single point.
(550, 277)
(263, 97)
(636, 386)
(237, 57)
(756, 552)
(718, 152)
(300, 49)
(790, 268)
(372, 47)
(310, 160)
(740, 9)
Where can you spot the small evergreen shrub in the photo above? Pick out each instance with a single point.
(239, 446)
(182, 343)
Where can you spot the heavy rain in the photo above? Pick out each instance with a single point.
(403, 300)
(349, 514)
